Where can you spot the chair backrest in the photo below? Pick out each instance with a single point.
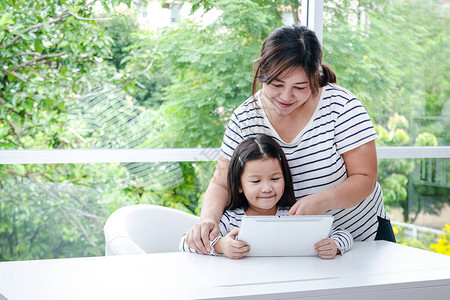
(145, 228)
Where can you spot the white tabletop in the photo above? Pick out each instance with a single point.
(375, 270)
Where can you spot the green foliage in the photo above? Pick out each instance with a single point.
(423, 240)
(426, 139)
(392, 55)
(52, 211)
(415, 186)
(50, 53)
(392, 174)
(122, 31)
(211, 71)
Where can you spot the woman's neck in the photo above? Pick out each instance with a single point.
(289, 126)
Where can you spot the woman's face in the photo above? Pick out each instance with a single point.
(287, 92)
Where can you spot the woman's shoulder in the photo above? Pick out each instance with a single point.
(248, 107)
(336, 92)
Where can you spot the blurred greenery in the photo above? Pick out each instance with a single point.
(72, 78)
(438, 243)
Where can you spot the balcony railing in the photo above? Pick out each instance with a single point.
(56, 156)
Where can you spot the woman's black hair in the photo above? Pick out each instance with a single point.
(289, 48)
(261, 146)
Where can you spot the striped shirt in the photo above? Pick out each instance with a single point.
(339, 124)
(232, 219)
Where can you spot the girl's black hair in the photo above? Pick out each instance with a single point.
(288, 48)
(253, 148)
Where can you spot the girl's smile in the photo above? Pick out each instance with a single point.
(262, 183)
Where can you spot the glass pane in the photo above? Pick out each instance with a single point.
(55, 211)
(393, 55)
(417, 198)
(147, 75)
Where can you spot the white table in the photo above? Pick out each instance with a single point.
(371, 270)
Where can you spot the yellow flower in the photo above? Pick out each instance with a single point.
(395, 229)
(446, 228)
(442, 246)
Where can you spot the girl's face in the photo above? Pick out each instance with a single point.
(262, 183)
(288, 92)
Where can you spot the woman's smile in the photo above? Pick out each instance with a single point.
(284, 105)
(287, 93)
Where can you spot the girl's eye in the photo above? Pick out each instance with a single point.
(254, 181)
(299, 88)
(277, 85)
(277, 178)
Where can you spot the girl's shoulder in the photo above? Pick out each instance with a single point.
(282, 211)
(234, 214)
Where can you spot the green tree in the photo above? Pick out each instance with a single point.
(392, 56)
(51, 53)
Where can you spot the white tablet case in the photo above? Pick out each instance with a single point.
(284, 236)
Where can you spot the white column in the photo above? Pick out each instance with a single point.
(312, 16)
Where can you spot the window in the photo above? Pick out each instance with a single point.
(120, 110)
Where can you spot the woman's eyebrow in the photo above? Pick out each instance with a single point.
(301, 82)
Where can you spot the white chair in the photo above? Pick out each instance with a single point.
(145, 228)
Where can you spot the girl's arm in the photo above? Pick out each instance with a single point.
(342, 238)
(361, 165)
(213, 205)
(339, 242)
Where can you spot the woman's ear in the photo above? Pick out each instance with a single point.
(240, 190)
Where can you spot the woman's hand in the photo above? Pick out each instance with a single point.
(327, 249)
(361, 165)
(200, 235)
(315, 204)
(231, 247)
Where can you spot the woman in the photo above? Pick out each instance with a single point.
(326, 134)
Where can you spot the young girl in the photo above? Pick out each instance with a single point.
(260, 183)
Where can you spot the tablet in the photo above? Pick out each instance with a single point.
(284, 235)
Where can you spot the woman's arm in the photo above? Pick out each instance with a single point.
(213, 205)
(185, 248)
(361, 164)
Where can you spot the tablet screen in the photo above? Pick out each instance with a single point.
(284, 235)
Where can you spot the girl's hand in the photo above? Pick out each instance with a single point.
(315, 204)
(200, 235)
(327, 249)
(231, 247)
